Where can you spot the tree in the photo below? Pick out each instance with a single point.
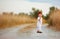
(48, 16)
(34, 13)
(52, 9)
(4, 13)
(11, 13)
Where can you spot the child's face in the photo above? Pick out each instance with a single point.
(40, 15)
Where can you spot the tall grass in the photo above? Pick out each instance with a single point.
(54, 19)
(13, 20)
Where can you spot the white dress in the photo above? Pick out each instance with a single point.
(39, 23)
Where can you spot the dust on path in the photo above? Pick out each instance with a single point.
(11, 33)
(30, 33)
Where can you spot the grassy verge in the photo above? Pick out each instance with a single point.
(54, 20)
(13, 20)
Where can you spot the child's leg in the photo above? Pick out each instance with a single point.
(39, 29)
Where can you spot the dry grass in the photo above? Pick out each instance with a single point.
(55, 19)
(44, 21)
(13, 20)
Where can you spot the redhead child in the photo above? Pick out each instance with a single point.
(39, 22)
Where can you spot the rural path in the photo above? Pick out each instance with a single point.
(16, 33)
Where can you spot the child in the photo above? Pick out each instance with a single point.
(39, 22)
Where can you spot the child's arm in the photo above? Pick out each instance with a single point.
(38, 18)
(41, 19)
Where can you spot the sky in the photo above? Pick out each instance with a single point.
(26, 6)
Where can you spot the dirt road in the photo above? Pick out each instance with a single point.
(25, 32)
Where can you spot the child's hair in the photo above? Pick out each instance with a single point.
(39, 12)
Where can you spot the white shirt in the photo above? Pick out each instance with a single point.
(39, 23)
(39, 20)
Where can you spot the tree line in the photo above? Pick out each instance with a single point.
(33, 13)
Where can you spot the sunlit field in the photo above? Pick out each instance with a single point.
(29, 19)
(8, 20)
(55, 19)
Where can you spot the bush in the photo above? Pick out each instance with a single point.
(34, 13)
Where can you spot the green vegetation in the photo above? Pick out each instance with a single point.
(49, 20)
(52, 9)
(34, 12)
(11, 19)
